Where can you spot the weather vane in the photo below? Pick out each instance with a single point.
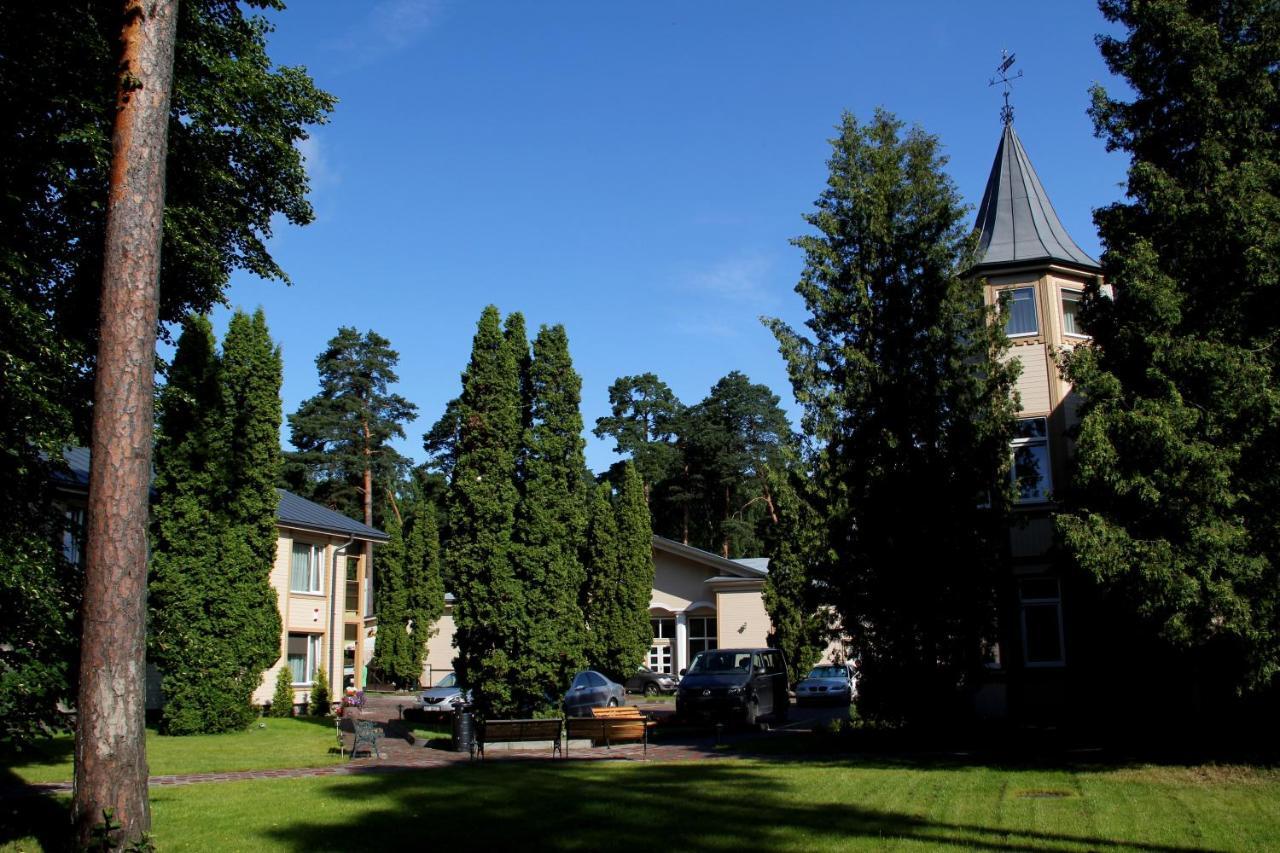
(1002, 76)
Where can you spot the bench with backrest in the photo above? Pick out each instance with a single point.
(517, 731)
(611, 725)
(367, 733)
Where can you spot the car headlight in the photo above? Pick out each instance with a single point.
(737, 691)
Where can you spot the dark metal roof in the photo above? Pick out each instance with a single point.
(1017, 221)
(291, 511)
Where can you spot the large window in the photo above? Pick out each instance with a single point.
(664, 629)
(1032, 479)
(304, 657)
(306, 573)
(353, 587)
(1071, 314)
(1041, 602)
(1020, 311)
(702, 634)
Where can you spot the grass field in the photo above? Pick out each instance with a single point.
(269, 743)
(714, 805)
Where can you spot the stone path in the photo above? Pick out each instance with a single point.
(403, 754)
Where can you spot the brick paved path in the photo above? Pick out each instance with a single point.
(401, 754)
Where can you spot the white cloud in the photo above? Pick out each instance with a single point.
(742, 279)
(388, 27)
(316, 162)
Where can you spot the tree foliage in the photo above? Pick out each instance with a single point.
(798, 609)
(1173, 505)
(343, 434)
(909, 412)
(410, 591)
(282, 698)
(215, 624)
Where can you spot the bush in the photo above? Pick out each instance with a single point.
(320, 695)
(282, 700)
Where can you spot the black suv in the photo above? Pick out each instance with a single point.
(736, 684)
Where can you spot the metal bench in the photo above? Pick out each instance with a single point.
(368, 733)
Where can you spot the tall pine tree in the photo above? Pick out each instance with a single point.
(1175, 501)
(635, 573)
(909, 408)
(482, 499)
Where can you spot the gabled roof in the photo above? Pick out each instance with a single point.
(291, 511)
(1017, 221)
(750, 567)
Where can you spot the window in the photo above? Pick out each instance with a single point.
(1041, 602)
(660, 658)
(349, 636)
(1032, 479)
(664, 628)
(1020, 311)
(306, 573)
(702, 634)
(1071, 314)
(73, 537)
(368, 594)
(353, 587)
(304, 657)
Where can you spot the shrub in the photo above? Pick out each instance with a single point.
(282, 700)
(320, 694)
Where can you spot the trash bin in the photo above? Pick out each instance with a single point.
(464, 731)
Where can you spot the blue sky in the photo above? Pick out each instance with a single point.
(634, 171)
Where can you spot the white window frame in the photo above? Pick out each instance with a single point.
(1045, 487)
(1035, 316)
(315, 568)
(1041, 601)
(1066, 295)
(312, 660)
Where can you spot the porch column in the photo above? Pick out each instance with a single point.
(682, 641)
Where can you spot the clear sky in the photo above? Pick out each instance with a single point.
(632, 170)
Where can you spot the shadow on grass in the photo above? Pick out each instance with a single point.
(45, 818)
(559, 806)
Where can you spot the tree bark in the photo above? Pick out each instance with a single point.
(111, 765)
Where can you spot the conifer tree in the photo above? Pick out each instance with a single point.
(411, 593)
(796, 609)
(601, 596)
(551, 523)
(318, 705)
(906, 401)
(282, 699)
(635, 570)
(390, 661)
(215, 619)
(1173, 507)
(481, 504)
(425, 581)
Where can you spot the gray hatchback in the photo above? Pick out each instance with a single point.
(590, 690)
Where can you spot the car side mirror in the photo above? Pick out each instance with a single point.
(682, 672)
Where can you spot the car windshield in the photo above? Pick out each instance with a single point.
(449, 680)
(707, 663)
(827, 672)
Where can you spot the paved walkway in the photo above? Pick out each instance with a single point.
(401, 752)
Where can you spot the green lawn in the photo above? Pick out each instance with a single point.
(268, 744)
(718, 805)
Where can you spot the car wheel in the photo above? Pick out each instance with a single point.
(613, 703)
(651, 690)
(753, 714)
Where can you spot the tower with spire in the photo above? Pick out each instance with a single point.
(1036, 272)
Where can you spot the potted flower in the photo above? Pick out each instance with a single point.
(352, 699)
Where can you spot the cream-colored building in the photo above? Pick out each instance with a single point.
(699, 601)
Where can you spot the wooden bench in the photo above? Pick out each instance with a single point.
(610, 725)
(517, 731)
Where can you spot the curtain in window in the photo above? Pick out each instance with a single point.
(1022, 312)
(300, 570)
(298, 659)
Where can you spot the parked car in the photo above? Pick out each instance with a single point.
(829, 682)
(446, 697)
(650, 683)
(590, 690)
(742, 684)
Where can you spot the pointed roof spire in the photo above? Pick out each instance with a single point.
(1017, 221)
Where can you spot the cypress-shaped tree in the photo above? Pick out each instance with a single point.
(601, 598)
(391, 661)
(635, 573)
(796, 610)
(186, 526)
(482, 499)
(282, 699)
(551, 524)
(906, 400)
(424, 581)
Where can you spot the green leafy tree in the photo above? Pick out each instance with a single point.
(282, 699)
(642, 423)
(551, 524)
(343, 434)
(233, 165)
(910, 413)
(482, 499)
(1173, 503)
(215, 624)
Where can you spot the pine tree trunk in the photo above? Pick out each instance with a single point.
(111, 765)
